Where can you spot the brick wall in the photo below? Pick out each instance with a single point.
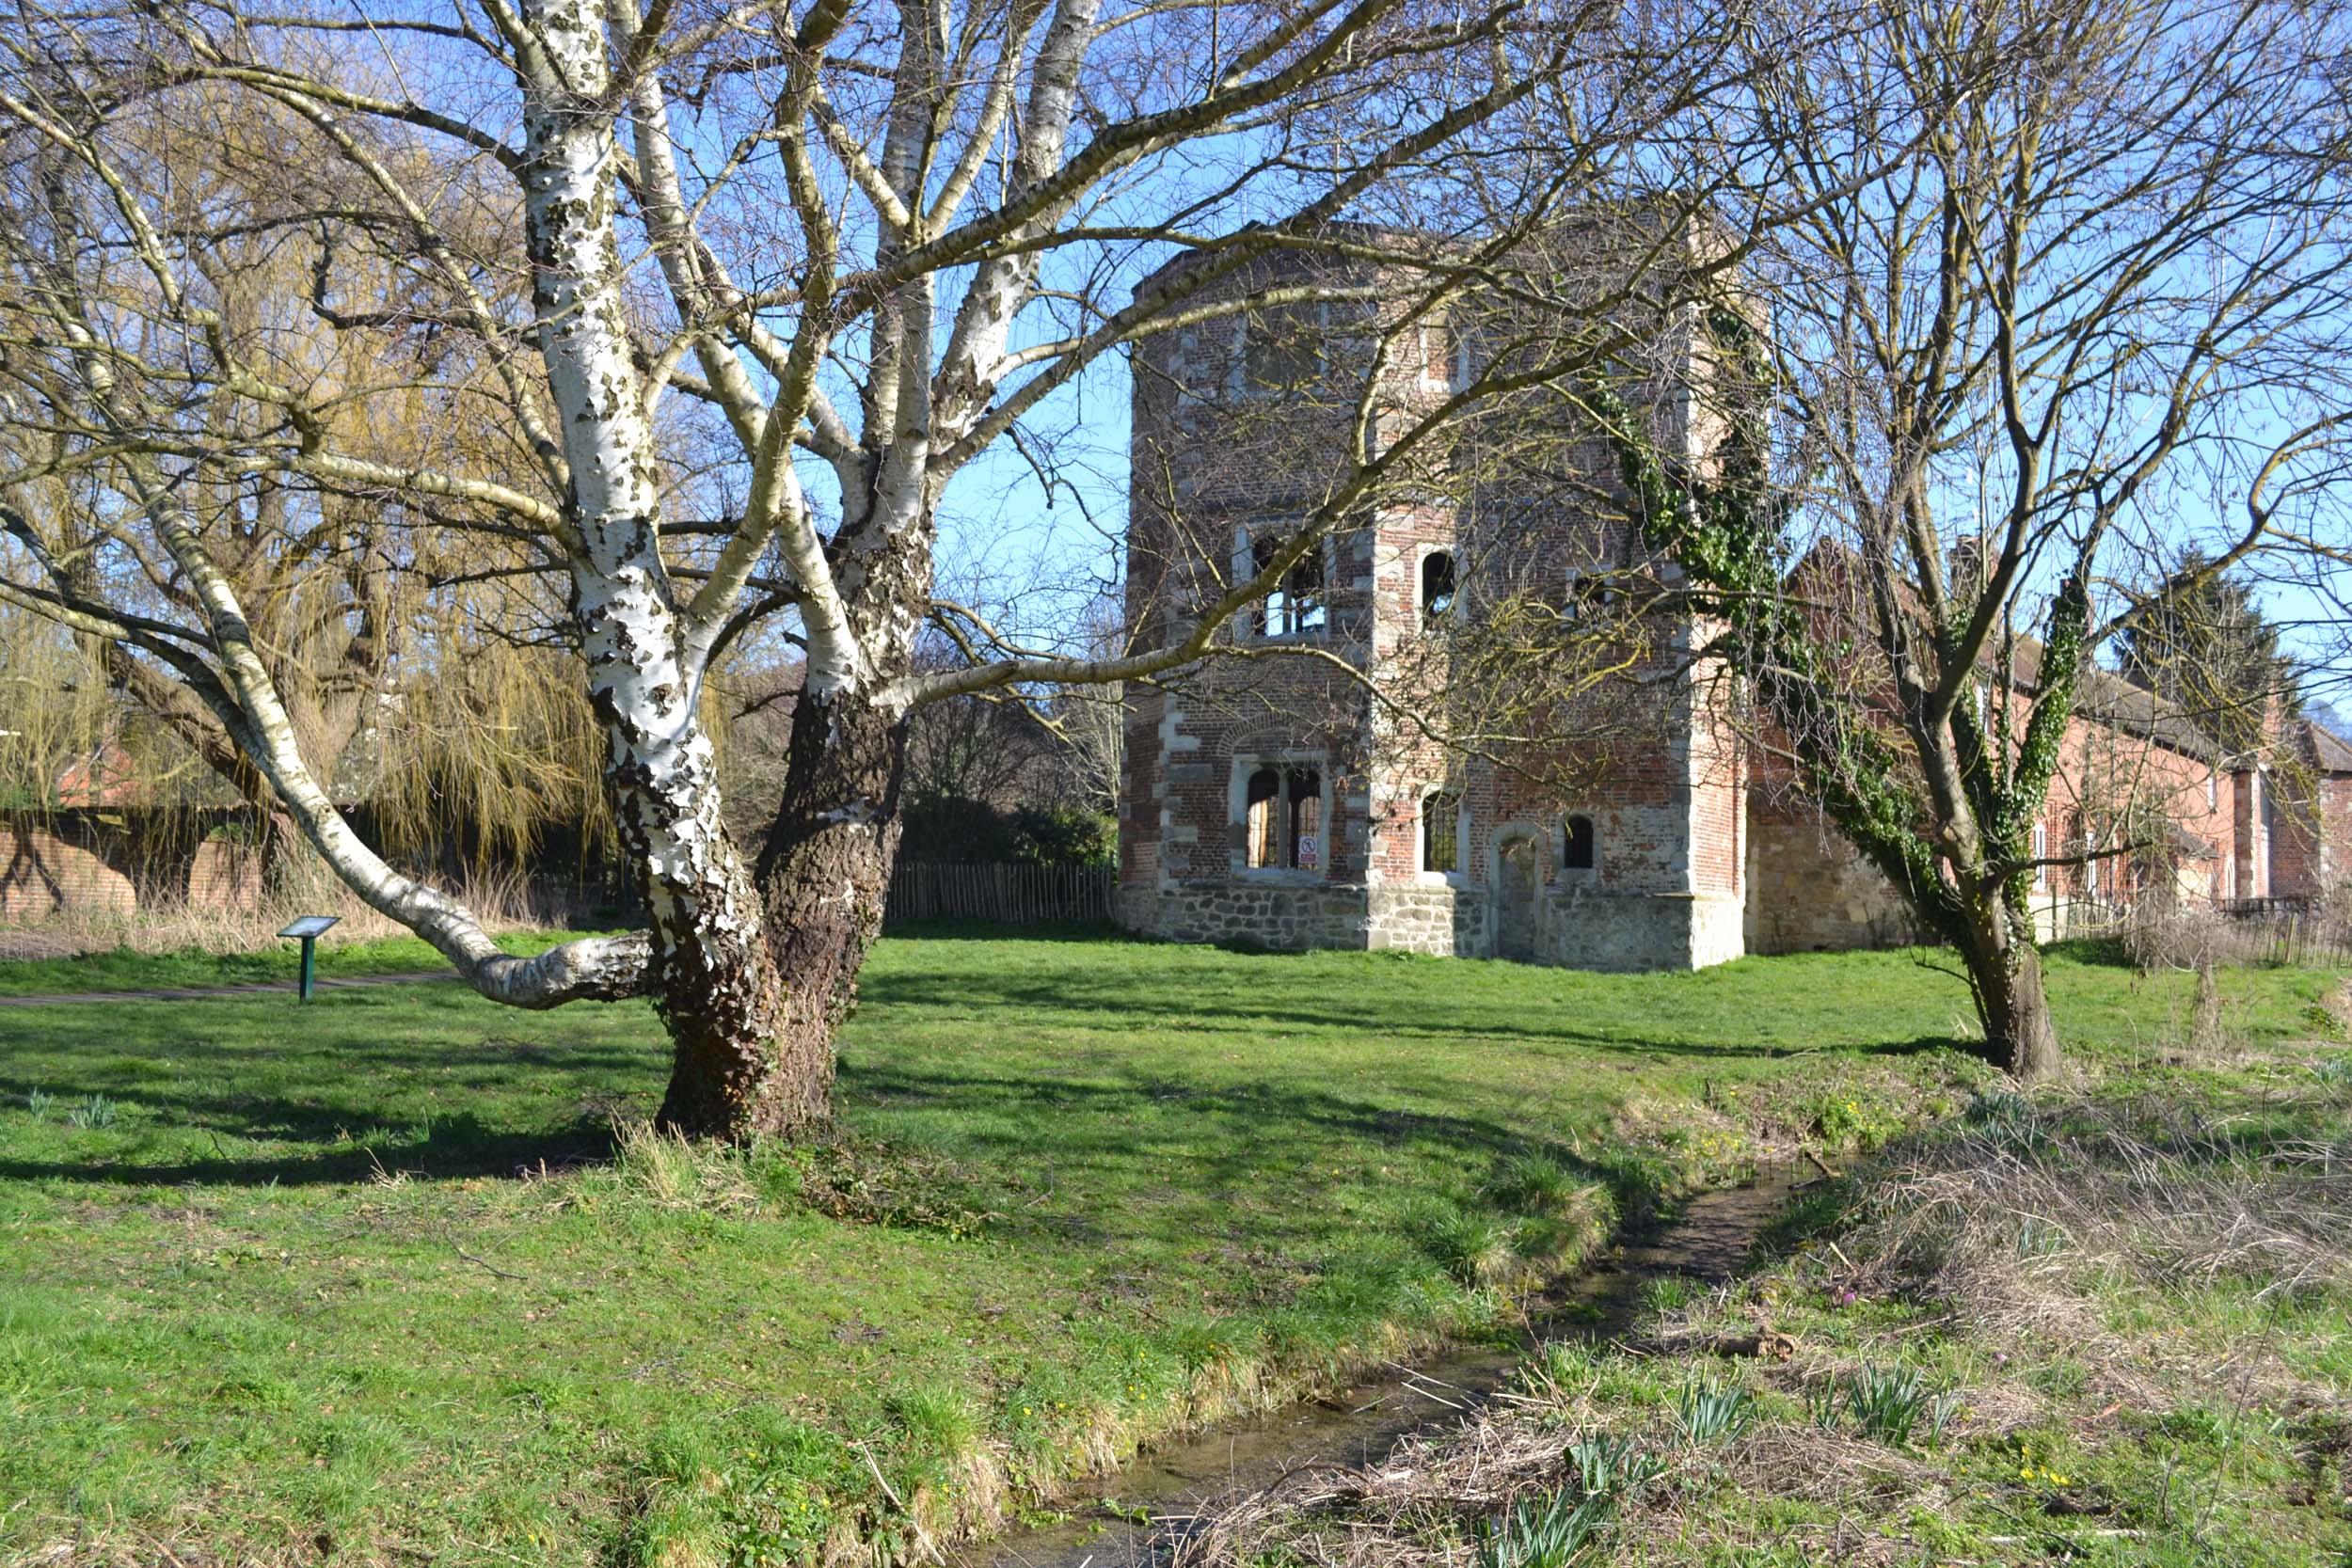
(2311, 833)
(105, 861)
(43, 872)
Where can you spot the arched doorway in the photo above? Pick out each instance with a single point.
(1519, 878)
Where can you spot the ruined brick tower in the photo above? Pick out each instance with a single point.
(1274, 798)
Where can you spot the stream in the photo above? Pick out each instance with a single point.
(1707, 1241)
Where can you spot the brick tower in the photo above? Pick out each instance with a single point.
(1276, 796)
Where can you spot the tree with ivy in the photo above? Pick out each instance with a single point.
(2204, 644)
(2064, 273)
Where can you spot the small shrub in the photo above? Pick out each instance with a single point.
(2197, 1424)
(1541, 1533)
(1711, 1411)
(2165, 936)
(2205, 1030)
(2000, 1111)
(92, 1110)
(858, 1183)
(1475, 1250)
(664, 1171)
(2038, 1237)
(935, 1420)
(1670, 1293)
(1848, 1121)
(1562, 1371)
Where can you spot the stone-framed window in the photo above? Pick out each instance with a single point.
(1441, 832)
(1299, 603)
(1438, 586)
(1466, 368)
(2041, 848)
(1291, 348)
(1284, 816)
(1589, 593)
(1580, 843)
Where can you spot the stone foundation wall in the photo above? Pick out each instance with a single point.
(1580, 928)
(1290, 917)
(1442, 921)
(1284, 916)
(1585, 927)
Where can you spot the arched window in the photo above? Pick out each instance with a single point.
(1436, 584)
(1440, 831)
(1282, 348)
(1576, 845)
(1283, 822)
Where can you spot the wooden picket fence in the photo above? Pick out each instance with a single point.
(2286, 931)
(1010, 895)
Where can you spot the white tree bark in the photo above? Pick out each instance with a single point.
(662, 765)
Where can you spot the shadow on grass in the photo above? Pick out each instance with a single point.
(1206, 1148)
(1216, 1141)
(1376, 1018)
(452, 1147)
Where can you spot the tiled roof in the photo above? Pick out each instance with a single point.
(2325, 750)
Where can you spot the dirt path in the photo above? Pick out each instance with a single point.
(203, 994)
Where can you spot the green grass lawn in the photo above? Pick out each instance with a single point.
(126, 969)
(374, 1280)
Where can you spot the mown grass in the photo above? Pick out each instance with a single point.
(377, 1279)
(2111, 1326)
(128, 969)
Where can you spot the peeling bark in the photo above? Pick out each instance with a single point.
(710, 974)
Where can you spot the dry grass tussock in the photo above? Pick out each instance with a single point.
(165, 924)
(1436, 1501)
(2010, 1217)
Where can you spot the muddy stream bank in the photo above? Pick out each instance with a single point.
(1706, 1241)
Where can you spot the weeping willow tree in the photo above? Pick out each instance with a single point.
(481, 745)
(55, 710)
(485, 747)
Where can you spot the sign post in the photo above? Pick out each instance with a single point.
(309, 928)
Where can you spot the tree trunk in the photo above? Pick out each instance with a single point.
(720, 997)
(2005, 971)
(825, 874)
(735, 1070)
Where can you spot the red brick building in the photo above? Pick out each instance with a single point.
(1284, 795)
(1275, 796)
